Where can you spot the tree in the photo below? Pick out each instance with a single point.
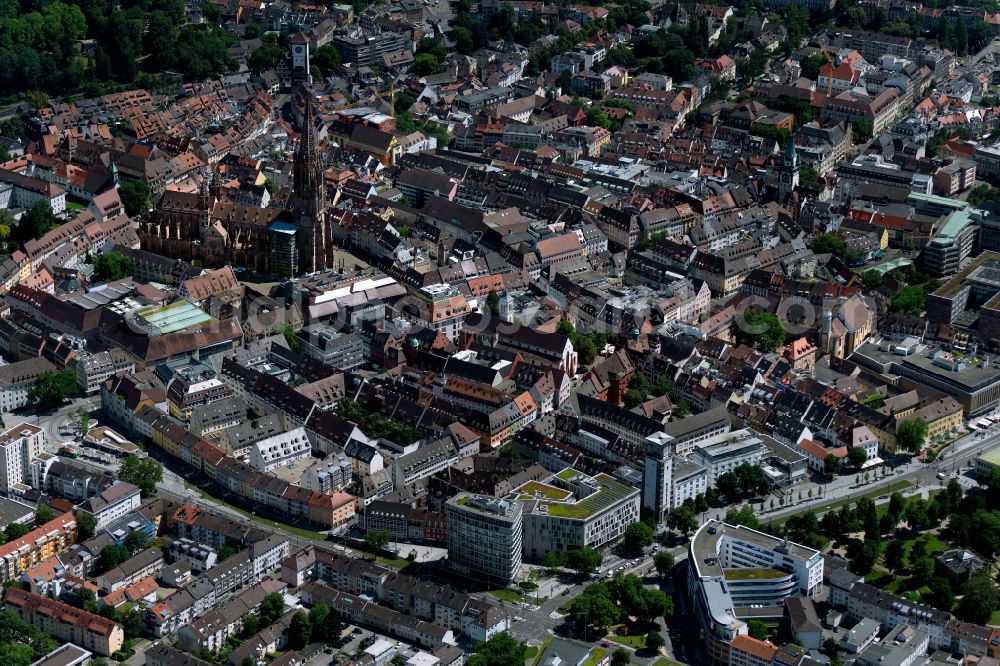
(620, 657)
(500, 650)
(142, 472)
(585, 559)
(595, 607)
(82, 417)
(248, 661)
(743, 516)
(17, 654)
(585, 350)
(85, 525)
(940, 594)
(681, 409)
(111, 556)
(683, 520)
(828, 244)
(865, 558)
(664, 562)
(857, 456)
(911, 434)
(51, 389)
(112, 266)
(831, 465)
(979, 601)
(654, 641)
(81, 598)
(136, 197)
(136, 540)
(300, 631)
(326, 625)
(554, 560)
(757, 629)
(14, 531)
(637, 536)
(729, 486)
(36, 222)
(43, 514)
(761, 330)
(871, 278)
(425, 64)
(376, 541)
(565, 327)
(894, 557)
(133, 621)
(910, 301)
(271, 608)
(493, 303)
(327, 58)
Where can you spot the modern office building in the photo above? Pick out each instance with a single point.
(484, 537)
(18, 447)
(571, 510)
(734, 567)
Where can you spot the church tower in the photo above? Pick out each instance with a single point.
(308, 200)
(789, 171)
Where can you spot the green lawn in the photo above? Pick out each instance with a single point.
(995, 618)
(504, 594)
(394, 562)
(530, 652)
(823, 508)
(634, 642)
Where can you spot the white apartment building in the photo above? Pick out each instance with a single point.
(724, 453)
(113, 503)
(19, 446)
(571, 510)
(689, 480)
(484, 537)
(281, 449)
(266, 555)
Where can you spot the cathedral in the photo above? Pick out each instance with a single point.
(207, 230)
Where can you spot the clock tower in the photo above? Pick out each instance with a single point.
(788, 172)
(300, 58)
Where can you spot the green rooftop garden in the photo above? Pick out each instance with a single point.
(763, 573)
(534, 488)
(567, 474)
(596, 655)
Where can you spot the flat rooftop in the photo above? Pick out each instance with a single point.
(174, 317)
(992, 456)
(950, 288)
(706, 546)
(763, 573)
(573, 494)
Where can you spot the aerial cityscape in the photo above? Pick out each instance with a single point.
(499, 333)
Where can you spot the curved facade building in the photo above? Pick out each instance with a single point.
(733, 568)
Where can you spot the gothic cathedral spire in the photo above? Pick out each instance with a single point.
(308, 201)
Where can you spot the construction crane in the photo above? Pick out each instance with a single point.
(378, 95)
(829, 61)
